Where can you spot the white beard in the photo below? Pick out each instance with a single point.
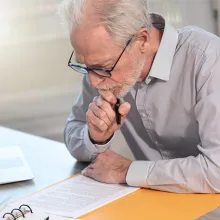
(121, 89)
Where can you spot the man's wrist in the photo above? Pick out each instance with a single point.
(100, 143)
(125, 171)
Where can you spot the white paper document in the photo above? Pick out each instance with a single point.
(13, 166)
(76, 196)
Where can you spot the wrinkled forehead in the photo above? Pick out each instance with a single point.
(92, 43)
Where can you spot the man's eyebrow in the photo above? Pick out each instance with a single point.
(101, 63)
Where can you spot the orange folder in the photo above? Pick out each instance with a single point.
(154, 205)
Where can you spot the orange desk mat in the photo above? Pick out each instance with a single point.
(154, 205)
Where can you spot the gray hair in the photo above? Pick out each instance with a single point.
(122, 18)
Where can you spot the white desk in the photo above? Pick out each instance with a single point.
(49, 160)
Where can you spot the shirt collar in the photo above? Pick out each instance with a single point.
(162, 64)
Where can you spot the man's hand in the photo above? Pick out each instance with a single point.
(108, 167)
(101, 117)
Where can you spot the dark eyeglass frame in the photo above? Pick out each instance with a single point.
(86, 70)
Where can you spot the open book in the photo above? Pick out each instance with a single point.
(72, 198)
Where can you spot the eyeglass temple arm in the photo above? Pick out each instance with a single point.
(122, 53)
(70, 58)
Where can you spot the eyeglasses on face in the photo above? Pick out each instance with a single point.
(99, 71)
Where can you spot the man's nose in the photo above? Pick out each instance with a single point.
(95, 79)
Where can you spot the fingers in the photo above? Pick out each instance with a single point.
(96, 122)
(88, 172)
(92, 165)
(108, 96)
(124, 108)
(106, 108)
(104, 111)
(108, 167)
(101, 114)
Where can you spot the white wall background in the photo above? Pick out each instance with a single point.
(185, 12)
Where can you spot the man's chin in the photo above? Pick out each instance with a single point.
(121, 92)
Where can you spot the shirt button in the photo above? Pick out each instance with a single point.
(142, 85)
(148, 80)
(156, 142)
(143, 115)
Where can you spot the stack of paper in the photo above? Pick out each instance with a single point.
(75, 197)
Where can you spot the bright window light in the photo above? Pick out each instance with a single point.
(5, 29)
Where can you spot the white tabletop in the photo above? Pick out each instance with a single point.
(49, 160)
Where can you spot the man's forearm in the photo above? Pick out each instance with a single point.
(79, 144)
(187, 175)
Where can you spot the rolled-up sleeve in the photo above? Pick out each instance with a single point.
(76, 131)
(199, 174)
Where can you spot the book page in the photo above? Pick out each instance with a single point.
(76, 196)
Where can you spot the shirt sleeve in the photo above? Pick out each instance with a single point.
(76, 131)
(199, 174)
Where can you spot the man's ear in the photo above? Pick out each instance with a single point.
(143, 38)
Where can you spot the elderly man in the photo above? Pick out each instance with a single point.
(169, 85)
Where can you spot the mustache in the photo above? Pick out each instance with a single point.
(109, 87)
